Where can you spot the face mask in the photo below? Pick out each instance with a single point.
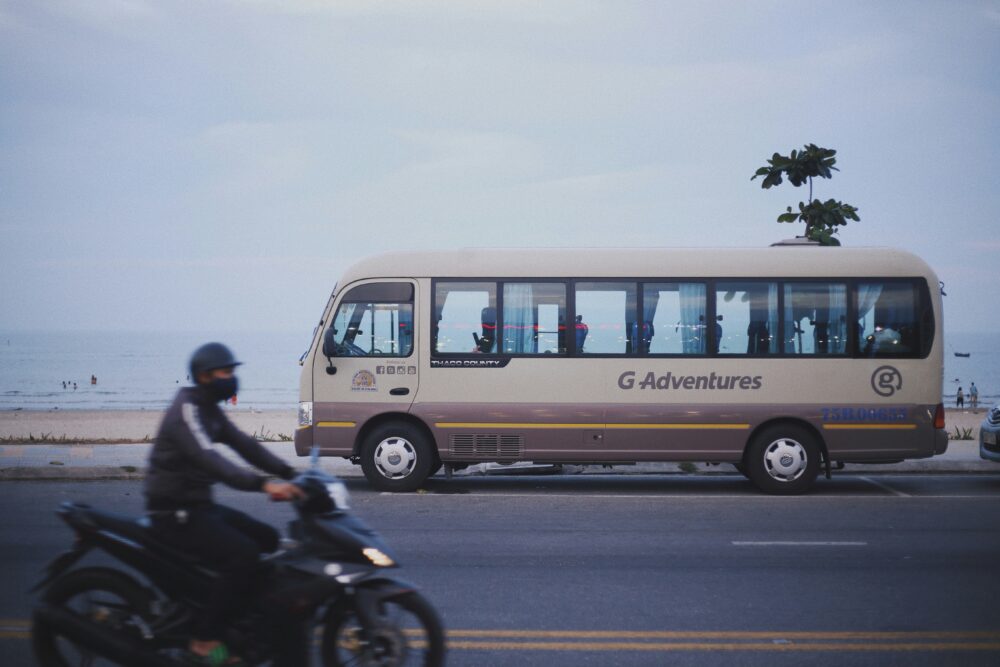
(222, 388)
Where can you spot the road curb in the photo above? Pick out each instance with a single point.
(122, 473)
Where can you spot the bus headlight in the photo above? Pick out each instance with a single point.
(305, 413)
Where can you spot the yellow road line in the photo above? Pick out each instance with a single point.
(721, 634)
(720, 646)
(791, 641)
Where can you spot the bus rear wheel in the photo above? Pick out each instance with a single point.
(783, 460)
(396, 457)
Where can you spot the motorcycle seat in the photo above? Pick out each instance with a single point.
(139, 530)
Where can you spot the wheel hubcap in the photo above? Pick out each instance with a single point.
(785, 460)
(395, 458)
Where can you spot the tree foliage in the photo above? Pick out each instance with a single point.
(822, 218)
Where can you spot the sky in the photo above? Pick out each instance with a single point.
(205, 166)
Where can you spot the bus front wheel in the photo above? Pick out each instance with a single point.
(783, 459)
(396, 457)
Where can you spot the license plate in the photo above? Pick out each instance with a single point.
(989, 438)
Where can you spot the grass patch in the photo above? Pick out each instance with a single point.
(963, 434)
(49, 439)
(267, 436)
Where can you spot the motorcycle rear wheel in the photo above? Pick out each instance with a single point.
(102, 596)
(412, 635)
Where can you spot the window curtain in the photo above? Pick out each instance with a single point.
(692, 325)
(643, 331)
(868, 294)
(772, 317)
(519, 319)
(837, 330)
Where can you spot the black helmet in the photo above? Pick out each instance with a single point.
(209, 357)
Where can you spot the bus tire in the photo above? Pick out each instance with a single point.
(783, 459)
(397, 457)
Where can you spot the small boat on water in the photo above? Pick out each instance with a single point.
(962, 354)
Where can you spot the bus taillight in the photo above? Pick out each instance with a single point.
(939, 416)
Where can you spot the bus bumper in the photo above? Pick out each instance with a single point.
(303, 440)
(940, 441)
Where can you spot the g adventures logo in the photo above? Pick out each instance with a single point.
(886, 381)
(713, 381)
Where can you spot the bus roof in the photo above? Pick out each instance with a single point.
(777, 261)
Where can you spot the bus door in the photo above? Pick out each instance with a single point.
(367, 363)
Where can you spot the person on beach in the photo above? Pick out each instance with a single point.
(960, 399)
(184, 464)
(973, 396)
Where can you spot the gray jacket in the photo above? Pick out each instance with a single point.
(185, 461)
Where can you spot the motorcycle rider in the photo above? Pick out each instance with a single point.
(184, 464)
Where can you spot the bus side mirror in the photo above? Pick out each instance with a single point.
(330, 343)
(330, 349)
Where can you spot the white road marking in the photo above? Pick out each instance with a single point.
(799, 544)
(692, 496)
(886, 487)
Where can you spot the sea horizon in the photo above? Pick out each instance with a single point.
(141, 370)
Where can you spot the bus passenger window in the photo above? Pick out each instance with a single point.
(889, 324)
(534, 318)
(815, 318)
(609, 309)
(749, 313)
(674, 314)
(465, 314)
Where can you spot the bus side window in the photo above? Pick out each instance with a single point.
(750, 310)
(611, 309)
(466, 314)
(888, 322)
(815, 318)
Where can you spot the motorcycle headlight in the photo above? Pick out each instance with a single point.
(377, 558)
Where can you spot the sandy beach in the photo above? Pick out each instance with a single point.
(139, 425)
(129, 425)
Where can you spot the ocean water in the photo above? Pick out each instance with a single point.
(144, 370)
(138, 370)
(982, 366)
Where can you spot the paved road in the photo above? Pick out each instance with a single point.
(643, 570)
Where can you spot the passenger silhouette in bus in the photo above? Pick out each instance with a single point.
(484, 343)
(581, 333)
(645, 340)
(758, 338)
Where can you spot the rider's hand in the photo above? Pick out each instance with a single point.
(283, 491)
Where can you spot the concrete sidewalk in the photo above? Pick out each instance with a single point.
(128, 461)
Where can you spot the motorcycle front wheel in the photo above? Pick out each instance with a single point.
(410, 634)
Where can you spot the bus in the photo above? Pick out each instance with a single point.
(784, 361)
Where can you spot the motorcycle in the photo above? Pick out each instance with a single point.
(330, 579)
